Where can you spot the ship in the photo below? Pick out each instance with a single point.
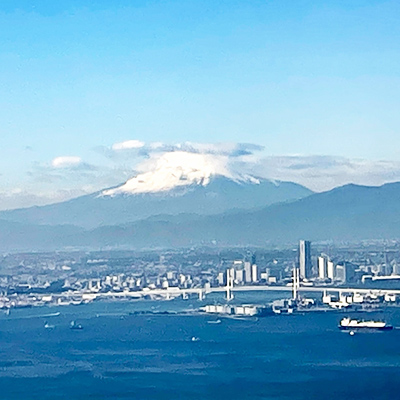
(356, 324)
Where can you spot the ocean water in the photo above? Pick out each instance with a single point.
(123, 356)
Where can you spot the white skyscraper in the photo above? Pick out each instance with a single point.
(247, 272)
(322, 267)
(305, 259)
(254, 273)
(331, 270)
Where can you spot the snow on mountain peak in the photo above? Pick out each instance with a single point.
(176, 169)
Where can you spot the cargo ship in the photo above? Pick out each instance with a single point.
(356, 324)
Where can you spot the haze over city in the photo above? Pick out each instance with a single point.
(199, 199)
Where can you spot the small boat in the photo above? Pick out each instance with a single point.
(75, 326)
(195, 339)
(48, 326)
(56, 314)
(217, 321)
(357, 324)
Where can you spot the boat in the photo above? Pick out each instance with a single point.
(357, 324)
(75, 326)
(48, 326)
(217, 321)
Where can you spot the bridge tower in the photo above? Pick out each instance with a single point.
(230, 273)
(296, 282)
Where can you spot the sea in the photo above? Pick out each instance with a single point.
(120, 354)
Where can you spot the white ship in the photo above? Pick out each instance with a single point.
(356, 324)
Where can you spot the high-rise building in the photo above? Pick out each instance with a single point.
(254, 273)
(345, 272)
(322, 267)
(341, 273)
(221, 279)
(305, 259)
(247, 271)
(331, 270)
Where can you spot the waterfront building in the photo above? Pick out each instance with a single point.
(395, 268)
(221, 279)
(171, 275)
(182, 279)
(331, 270)
(345, 272)
(165, 284)
(305, 259)
(239, 275)
(247, 272)
(254, 273)
(322, 267)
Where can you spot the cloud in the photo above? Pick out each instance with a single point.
(317, 172)
(66, 162)
(128, 145)
(146, 149)
(21, 198)
(70, 176)
(321, 173)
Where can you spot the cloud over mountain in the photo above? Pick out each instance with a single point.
(321, 173)
(137, 166)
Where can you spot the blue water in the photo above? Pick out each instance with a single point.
(122, 356)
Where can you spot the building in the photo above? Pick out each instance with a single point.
(331, 270)
(247, 272)
(239, 275)
(221, 279)
(322, 267)
(305, 264)
(254, 273)
(345, 272)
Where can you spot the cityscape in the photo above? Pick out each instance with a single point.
(63, 278)
(199, 200)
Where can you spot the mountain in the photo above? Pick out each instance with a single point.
(348, 213)
(202, 195)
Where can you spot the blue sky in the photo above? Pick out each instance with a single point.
(304, 78)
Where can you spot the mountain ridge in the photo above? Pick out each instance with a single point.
(346, 214)
(219, 195)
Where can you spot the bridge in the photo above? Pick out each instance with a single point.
(174, 292)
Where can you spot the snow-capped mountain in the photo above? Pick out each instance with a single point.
(175, 170)
(169, 191)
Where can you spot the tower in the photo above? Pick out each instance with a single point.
(230, 276)
(305, 259)
(322, 266)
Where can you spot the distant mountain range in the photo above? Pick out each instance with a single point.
(218, 195)
(347, 213)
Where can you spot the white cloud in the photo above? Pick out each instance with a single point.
(128, 145)
(174, 169)
(157, 166)
(66, 162)
(321, 173)
(137, 147)
(162, 166)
